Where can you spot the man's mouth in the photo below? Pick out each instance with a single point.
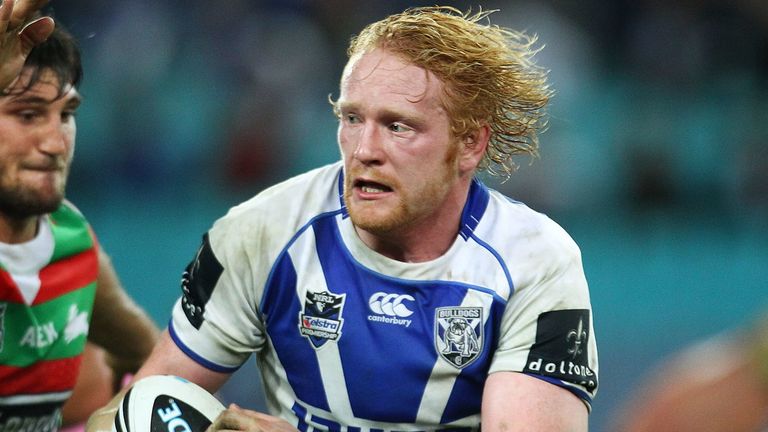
(372, 187)
(52, 166)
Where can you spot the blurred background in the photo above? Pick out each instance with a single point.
(655, 160)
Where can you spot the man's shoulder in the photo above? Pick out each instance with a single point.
(286, 206)
(305, 192)
(516, 224)
(67, 213)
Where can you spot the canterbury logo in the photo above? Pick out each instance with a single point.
(390, 304)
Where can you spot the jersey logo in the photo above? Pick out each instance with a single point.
(198, 281)
(390, 304)
(459, 334)
(77, 324)
(560, 350)
(390, 308)
(577, 337)
(321, 321)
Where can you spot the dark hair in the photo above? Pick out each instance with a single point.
(59, 54)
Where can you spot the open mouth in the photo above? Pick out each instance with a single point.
(371, 187)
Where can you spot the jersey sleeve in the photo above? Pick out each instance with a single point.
(216, 321)
(547, 328)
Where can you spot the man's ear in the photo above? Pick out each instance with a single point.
(473, 148)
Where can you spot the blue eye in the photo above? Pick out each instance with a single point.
(398, 127)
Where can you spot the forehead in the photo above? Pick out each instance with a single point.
(379, 73)
(46, 89)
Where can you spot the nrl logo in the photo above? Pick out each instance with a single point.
(320, 320)
(459, 334)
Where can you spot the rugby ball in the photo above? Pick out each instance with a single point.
(166, 403)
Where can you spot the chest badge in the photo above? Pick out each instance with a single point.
(459, 334)
(320, 320)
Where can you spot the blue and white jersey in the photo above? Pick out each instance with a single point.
(348, 339)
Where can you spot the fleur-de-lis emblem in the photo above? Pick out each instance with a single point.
(577, 336)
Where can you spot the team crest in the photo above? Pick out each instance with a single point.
(320, 320)
(459, 334)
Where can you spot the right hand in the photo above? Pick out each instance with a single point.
(18, 36)
(235, 418)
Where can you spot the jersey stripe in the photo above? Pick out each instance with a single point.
(44, 398)
(52, 330)
(440, 387)
(407, 380)
(292, 349)
(60, 376)
(328, 355)
(10, 291)
(194, 356)
(71, 233)
(67, 275)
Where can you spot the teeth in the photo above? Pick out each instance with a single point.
(371, 189)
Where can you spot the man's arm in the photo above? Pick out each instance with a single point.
(713, 385)
(18, 35)
(93, 387)
(515, 402)
(166, 359)
(118, 324)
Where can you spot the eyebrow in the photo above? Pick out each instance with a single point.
(387, 114)
(74, 101)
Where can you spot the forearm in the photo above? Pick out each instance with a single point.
(126, 333)
(118, 324)
(166, 359)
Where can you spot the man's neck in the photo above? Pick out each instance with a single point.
(421, 241)
(18, 230)
(405, 250)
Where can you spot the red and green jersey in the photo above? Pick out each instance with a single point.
(45, 311)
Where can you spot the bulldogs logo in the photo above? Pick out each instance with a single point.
(458, 334)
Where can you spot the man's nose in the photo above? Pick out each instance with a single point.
(369, 145)
(55, 138)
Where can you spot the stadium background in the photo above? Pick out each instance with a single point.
(655, 160)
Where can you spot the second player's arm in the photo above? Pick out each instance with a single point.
(118, 324)
(166, 359)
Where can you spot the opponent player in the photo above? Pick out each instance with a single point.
(57, 286)
(719, 384)
(393, 290)
(19, 34)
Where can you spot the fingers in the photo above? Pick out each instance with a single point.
(36, 32)
(229, 420)
(235, 418)
(5, 14)
(23, 10)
